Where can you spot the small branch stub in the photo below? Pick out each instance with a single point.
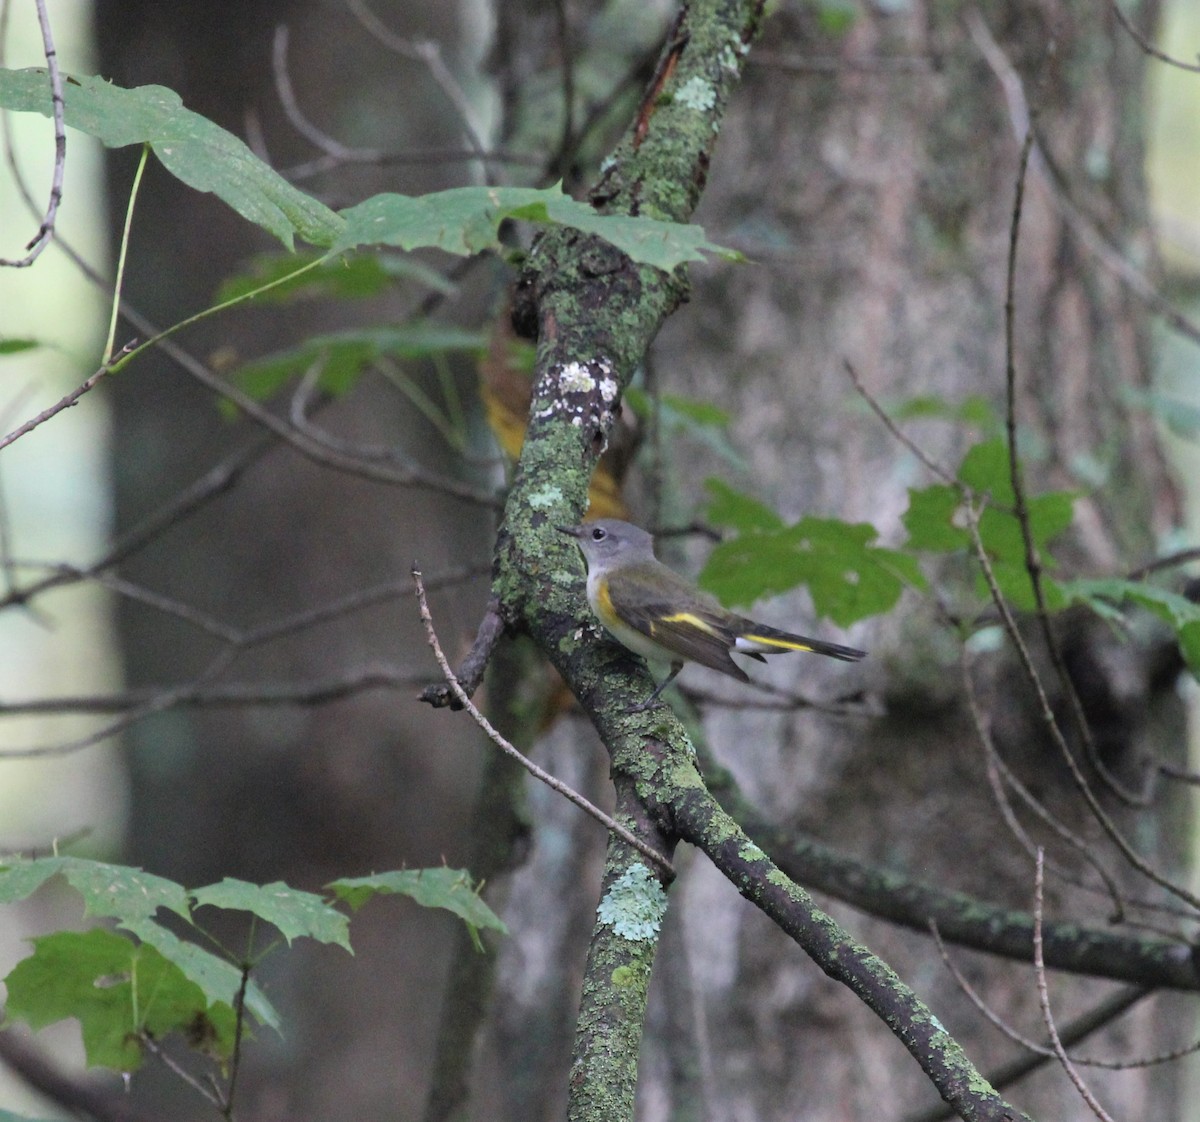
(508, 749)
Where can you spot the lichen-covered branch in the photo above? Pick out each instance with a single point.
(612, 1010)
(697, 818)
(966, 921)
(594, 313)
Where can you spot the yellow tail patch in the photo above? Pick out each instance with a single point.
(772, 644)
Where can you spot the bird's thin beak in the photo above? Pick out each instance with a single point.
(572, 531)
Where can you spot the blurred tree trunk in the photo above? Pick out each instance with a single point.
(298, 794)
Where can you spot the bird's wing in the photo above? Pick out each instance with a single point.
(696, 635)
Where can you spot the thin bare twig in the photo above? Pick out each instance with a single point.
(998, 774)
(237, 642)
(1080, 225)
(1039, 966)
(922, 456)
(1145, 43)
(563, 29)
(1033, 562)
(172, 1065)
(399, 470)
(474, 666)
(1048, 719)
(291, 108)
(216, 481)
(58, 109)
(555, 784)
(66, 402)
(430, 54)
(1169, 561)
(374, 676)
(1090, 1022)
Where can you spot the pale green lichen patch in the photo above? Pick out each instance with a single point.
(635, 904)
(685, 775)
(697, 94)
(780, 879)
(546, 498)
(751, 852)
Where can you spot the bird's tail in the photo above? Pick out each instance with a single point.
(758, 639)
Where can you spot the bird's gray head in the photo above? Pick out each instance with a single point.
(608, 539)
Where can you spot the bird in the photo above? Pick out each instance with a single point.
(656, 613)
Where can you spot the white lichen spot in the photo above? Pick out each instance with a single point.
(608, 388)
(575, 377)
(634, 905)
(697, 94)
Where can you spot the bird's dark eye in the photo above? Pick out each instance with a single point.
(599, 534)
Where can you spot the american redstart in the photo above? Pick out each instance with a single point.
(656, 613)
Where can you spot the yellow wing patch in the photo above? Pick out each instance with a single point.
(690, 620)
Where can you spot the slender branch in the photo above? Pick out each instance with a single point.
(1080, 225)
(1169, 561)
(235, 695)
(46, 230)
(470, 672)
(1145, 43)
(408, 475)
(1056, 1043)
(555, 784)
(1090, 1022)
(295, 115)
(429, 53)
(1048, 719)
(967, 921)
(562, 21)
(932, 466)
(1033, 563)
(1036, 1056)
(71, 399)
(695, 817)
(237, 643)
(180, 1072)
(1000, 777)
(214, 482)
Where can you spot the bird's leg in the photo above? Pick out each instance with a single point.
(649, 702)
